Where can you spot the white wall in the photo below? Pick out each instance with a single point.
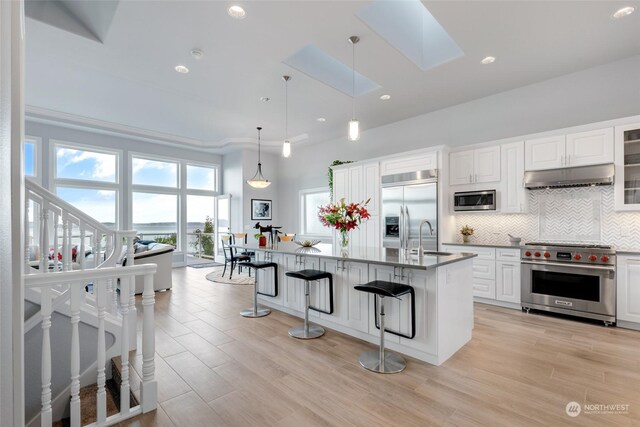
(239, 166)
(606, 92)
(11, 196)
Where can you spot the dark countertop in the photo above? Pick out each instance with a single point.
(368, 255)
(485, 245)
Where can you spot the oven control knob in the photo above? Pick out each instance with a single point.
(527, 253)
(537, 254)
(547, 254)
(577, 257)
(593, 258)
(604, 258)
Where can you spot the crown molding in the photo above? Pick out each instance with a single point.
(73, 121)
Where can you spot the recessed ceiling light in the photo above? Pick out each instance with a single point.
(385, 97)
(265, 99)
(182, 69)
(237, 12)
(625, 11)
(197, 53)
(488, 60)
(321, 119)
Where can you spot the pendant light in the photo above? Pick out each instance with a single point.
(354, 125)
(258, 180)
(286, 145)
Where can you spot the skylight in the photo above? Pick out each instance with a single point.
(323, 67)
(409, 27)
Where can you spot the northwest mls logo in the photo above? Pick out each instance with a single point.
(573, 409)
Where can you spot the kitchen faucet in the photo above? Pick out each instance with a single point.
(420, 247)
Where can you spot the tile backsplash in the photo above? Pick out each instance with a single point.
(584, 214)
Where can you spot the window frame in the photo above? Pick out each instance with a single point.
(37, 154)
(302, 209)
(117, 186)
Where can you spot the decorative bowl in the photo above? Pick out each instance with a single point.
(306, 243)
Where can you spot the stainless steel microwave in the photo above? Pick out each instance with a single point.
(474, 201)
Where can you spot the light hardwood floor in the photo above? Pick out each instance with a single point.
(215, 368)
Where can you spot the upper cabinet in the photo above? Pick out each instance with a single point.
(590, 148)
(575, 149)
(474, 166)
(627, 185)
(544, 153)
(513, 193)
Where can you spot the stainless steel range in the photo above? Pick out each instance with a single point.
(578, 280)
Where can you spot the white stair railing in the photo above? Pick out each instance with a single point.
(74, 282)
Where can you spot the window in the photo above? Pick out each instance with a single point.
(201, 178)
(310, 200)
(154, 172)
(88, 179)
(30, 158)
(155, 216)
(86, 165)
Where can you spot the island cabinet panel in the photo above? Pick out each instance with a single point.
(293, 289)
(266, 277)
(351, 307)
(425, 285)
(395, 309)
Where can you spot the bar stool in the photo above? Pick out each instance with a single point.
(382, 361)
(257, 311)
(308, 330)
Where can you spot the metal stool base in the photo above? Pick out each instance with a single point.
(315, 331)
(260, 312)
(393, 363)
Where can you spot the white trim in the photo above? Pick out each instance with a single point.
(302, 212)
(37, 155)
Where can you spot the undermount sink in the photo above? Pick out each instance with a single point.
(431, 253)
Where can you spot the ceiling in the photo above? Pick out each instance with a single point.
(126, 75)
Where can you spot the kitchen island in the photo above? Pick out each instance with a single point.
(442, 284)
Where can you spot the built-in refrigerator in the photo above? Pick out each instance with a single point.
(408, 199)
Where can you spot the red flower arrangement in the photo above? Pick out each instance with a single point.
(344, 217)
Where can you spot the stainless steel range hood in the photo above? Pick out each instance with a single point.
(581, 176)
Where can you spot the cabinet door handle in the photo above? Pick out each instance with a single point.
(476, 178)
(470, 178)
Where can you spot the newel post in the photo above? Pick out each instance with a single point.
(149, 390)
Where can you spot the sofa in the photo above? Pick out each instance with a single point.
(153, 253)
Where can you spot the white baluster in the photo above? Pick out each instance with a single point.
(66, 252)
(76, 293)
(82, 249)
(99, 289)
(55, 241)
(27, 234)
(125, 283)
(96, 249)
(45, 312)
(149, 390)
(44, 239)
(133, 315)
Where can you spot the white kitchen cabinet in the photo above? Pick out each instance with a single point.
(544, 153)
(628, 288)
(266, 277)
(513, 195)
(424, 285)
(351, 307)
(593, 147)
(508, 281)
(410, 163)
(589, 148)
(357, 183)
(496, 272)
(627, 162)
(461, 167)
(474, 166)
(293, 289)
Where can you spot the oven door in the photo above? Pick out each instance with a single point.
(585, 288)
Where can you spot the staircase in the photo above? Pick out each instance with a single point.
(84, 303)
